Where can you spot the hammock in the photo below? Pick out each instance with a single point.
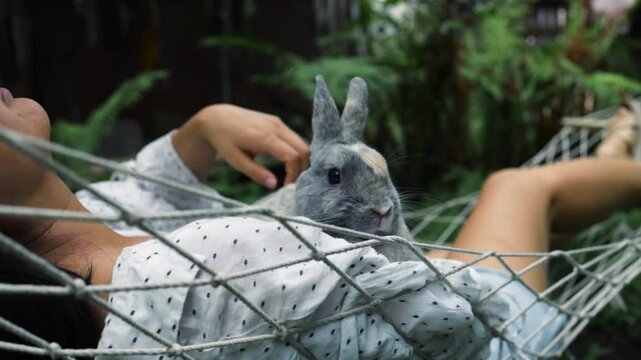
(584, 280)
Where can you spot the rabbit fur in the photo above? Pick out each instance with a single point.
(347, 183)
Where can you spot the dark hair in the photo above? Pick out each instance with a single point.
(63, 319)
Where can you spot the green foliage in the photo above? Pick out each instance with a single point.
(461, 84)
(338, 71)
(611, 333)
(613, 319)
(240, 42)
(617, 320)
(297, 74)
(466, 88)
(513, 81)
(231, 183)
(457, 181)
(615, 331)
(87, 136)
(596, 351)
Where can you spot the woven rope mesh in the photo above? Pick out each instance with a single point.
(583, 280)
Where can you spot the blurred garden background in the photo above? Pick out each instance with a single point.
(458, 88)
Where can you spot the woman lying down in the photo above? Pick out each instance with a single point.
(424, 317)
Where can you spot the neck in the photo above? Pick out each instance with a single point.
(88, 249)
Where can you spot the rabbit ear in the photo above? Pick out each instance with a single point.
(326, 120)
(355, 112)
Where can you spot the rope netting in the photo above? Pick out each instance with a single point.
(583, 280)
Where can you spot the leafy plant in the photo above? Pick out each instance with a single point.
(231, 183)
(456, 81)
(88, 135)
(530, 87)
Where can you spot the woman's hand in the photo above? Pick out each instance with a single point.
(238, 135)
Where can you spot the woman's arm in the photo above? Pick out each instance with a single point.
(238, 135)
(186, 156)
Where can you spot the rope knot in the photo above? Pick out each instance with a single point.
(174, 350)
(216, 281)
(398, 239)
(54, 350)
(130, 218)
(78, 288)
(636, 246)
(280, 334)
(318, 255)
(556, 253)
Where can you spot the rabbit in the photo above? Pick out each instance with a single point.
(347, 183)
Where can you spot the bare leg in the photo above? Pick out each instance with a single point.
(518, 209)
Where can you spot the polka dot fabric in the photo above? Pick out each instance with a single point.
(440, 322)
(158, 309)
(160, 159)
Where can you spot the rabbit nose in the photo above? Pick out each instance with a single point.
(382, 212)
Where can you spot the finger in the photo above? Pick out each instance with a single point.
(295, 141)
(304, 162)
(242, 162)
(282, 151)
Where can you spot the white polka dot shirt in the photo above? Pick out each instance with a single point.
(160, 159)
(439, 322)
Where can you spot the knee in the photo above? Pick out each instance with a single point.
(505, 178)
(524, 182)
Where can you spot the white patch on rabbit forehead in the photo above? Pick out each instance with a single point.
(371, 157)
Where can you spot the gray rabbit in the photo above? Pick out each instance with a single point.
(347, 183)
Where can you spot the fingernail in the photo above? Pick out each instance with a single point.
(6, 96)
(270, 182)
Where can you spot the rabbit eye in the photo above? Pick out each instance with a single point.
(334, 176)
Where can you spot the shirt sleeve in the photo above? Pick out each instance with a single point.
(443, 321)
(157, 310)
(158, 159)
